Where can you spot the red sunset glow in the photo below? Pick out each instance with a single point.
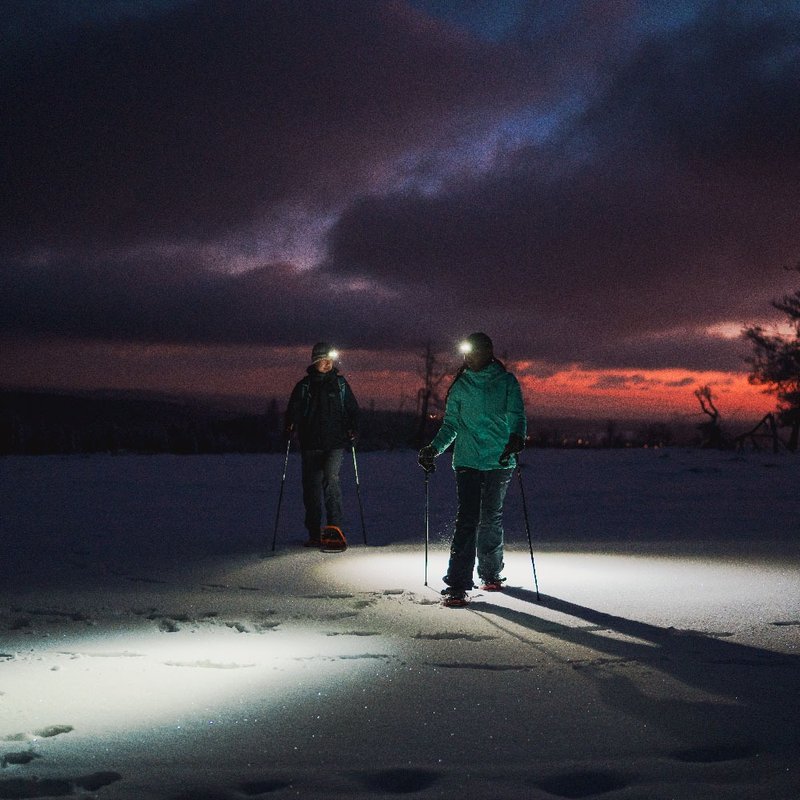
(251, 377)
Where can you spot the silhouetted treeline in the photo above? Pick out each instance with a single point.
(570, 433)
(33, 423)
(37, 423)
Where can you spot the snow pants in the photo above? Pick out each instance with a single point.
(320, 469)
(479, 526)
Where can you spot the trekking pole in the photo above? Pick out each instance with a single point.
(358, 491)
(527, 527)
(280, 496)
(427, 475)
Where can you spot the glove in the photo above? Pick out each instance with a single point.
(516, 444)
(425, 458)
(288, 431)
(352, 436)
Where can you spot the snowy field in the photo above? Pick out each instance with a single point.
(153, 646)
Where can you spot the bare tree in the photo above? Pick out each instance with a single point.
(428, 397)
(775, 363)
(710, 430)
(767, 428)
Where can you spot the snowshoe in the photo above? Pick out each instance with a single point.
(493, 585)
(312, 541)
(454, 598)
(332, 540)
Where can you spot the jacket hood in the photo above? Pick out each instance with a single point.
(491, 372)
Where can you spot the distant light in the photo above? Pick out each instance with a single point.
(465, 347)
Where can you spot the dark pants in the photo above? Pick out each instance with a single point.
(479, 526)
(321, 479)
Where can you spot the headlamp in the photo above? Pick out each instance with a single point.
(465, 347)
(333, 355)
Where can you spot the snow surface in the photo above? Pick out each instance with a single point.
(153, 646)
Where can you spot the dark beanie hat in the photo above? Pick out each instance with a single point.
(320, 350)
(480, 341)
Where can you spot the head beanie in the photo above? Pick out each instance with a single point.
(320, 350)
(480, 341)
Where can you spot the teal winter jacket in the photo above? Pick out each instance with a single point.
(483, 409)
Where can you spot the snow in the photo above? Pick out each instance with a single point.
(153, 646)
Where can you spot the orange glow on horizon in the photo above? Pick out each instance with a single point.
(388, 380)
(651, 394)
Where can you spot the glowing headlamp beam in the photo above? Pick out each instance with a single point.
(465, 347)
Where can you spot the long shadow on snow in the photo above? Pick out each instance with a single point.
(750, 700)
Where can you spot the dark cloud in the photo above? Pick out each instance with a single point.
(588, 185)
(202, 118)
(690, 349)
(669, 204)
(154, 301)
(611, 381)
(722, 93)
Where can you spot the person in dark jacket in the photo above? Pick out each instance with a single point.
(323, 411)
(484, 420)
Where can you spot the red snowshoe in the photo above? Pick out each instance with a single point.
(332, 540)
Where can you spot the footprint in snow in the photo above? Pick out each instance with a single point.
(238, 626)
(56, 787)
(206, 664)
(451, 636)
(25, 757)
(262, 627)
(43, 733)
(425, 600)
(582, 784)
(329, 596)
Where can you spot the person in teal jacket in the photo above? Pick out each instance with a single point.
(485, 422)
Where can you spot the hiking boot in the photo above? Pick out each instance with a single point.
(454, 598)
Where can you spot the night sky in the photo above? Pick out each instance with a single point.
(195, 192)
